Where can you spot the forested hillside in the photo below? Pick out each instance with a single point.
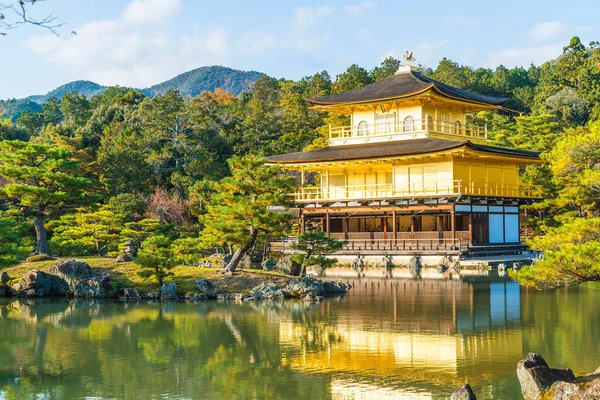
(149, 156)
(190, 83)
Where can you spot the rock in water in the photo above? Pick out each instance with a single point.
(169, 290)
(130, 294)
(463, 393)
(414, 266)
(38, 284)
(267, 290)
(99, 286)
(536, 377)
(206, 288)
(300, 287)
(312, 297)
(71, 271)
(334, 287)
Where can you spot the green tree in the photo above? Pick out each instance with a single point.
(128, 205)
(9, 239)
(43, 181)
(387, 68)
(156, 258)
(99, 230)
(75, 107)
(571, 255)
(188, 250)
(353, 78)
(239, 209)
(139, 231)
(314, 248)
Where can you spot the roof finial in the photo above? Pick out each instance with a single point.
(408, 56)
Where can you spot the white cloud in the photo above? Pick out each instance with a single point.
(357, 9)
(547, 31)
(256, 42)
(117, 51)
(305, 34)
(143, 11)
(307, 17)
(517, 57)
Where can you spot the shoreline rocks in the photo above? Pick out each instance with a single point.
(463, 393)
(536, 377)
(169, 290)
(94, 287)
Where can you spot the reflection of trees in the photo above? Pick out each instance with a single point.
(206, 350)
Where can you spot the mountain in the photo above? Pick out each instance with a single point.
(84, 87)
(190, 83)
(198, 80)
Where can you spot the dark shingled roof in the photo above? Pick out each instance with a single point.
(391, 149)
(403, 85)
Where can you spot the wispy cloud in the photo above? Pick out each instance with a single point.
(306, 34)
(132, 50)
(547, 31)
(357, 9)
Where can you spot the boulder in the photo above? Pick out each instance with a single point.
(334, 287)
(4, 278)
(565, 391)
(312, 297)
(123, 257)
(414, 266)
(536, 377)
(267, 290)
(197, 296)
(169, 290)
(206, 288)
(287, 265)
(269, 264)
(152, 295)
(130, 294)
(300, 287)
(71, 271)
(99, 286)
(237, 296)
(38, 284)
(463, 393)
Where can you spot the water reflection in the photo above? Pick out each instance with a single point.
(386, 339)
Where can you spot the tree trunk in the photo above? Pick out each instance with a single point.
(41, 236)
(241, 252)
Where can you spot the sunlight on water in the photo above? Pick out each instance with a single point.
(390, 339)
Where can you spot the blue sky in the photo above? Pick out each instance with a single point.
(142, 42)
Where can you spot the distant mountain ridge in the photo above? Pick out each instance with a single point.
(190, 83)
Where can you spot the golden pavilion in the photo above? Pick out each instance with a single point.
(411, 174)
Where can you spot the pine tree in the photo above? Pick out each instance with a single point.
(239, 210)
(314, 247)
(43, 181)
(156, 258)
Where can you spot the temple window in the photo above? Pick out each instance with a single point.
(457, 128)
(409, 124)
(363, 128)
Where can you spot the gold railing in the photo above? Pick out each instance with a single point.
(414, 126)
(391, 191)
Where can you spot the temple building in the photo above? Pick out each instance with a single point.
(411, 173)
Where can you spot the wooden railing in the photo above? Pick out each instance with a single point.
(445, 245)
(417, 125)
(391, 191)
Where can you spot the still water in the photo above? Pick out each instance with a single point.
(385, 339)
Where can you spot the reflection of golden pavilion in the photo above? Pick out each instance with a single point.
(434, 354)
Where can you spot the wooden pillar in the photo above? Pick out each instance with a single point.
(384, 222)
(470, 229)
(302, 227)
(412, 226)
(440, 226)
(394, 229)
(453, 224)
(327, 216)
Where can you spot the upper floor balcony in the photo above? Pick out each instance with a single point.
(409, 128)
(433, 189)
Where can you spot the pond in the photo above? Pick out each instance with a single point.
(385, 339)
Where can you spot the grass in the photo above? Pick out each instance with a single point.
(125, 275)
